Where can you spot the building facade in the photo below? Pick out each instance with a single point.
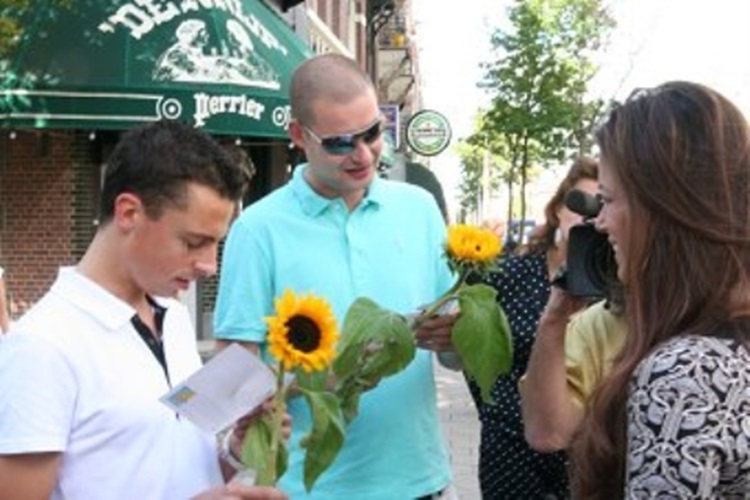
(55, 138)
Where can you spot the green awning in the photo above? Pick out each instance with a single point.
(223, 65)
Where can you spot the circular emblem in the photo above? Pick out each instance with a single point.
(428, 133)
(280, 116)
(170, 108)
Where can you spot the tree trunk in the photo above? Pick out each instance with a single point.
(524, 180)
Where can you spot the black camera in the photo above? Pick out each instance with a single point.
(590, 268)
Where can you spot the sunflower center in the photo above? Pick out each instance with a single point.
(304, 334)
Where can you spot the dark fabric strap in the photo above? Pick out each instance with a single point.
(153, 339)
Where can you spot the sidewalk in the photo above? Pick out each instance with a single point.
(461, 426)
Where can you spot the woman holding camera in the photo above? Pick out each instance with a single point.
(671, 419)
(508, 467)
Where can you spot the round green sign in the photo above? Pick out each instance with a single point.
(428, 133)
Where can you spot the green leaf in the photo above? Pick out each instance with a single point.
(482, 337)
(377, 335)
(313, 381)
(375, 343)
(326, 437)
(349, 395)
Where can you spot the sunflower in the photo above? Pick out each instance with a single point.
(303, 332)
(471, 245)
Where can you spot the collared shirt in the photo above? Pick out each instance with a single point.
(78, 379)
(389, 249)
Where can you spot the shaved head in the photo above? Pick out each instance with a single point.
(328, 77)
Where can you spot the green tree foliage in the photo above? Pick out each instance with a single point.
(539, 112)
(11, 27)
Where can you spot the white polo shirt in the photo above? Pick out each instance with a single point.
(76, 377)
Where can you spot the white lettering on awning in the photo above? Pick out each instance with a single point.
(207, 106)
(142, 16)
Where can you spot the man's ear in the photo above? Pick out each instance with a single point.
(128, 209)
(297, 134)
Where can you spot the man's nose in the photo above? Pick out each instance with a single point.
(363, 152)
(207, 265)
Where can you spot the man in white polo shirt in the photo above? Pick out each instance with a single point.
(83, 370)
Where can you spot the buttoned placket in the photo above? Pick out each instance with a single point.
(154, 339)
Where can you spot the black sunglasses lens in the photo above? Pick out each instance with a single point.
(339, 145)
(345, 144)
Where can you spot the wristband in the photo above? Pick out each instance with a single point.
(226, 454)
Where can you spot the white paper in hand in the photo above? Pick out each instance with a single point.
(230, 385)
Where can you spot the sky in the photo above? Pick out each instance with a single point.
(706, 41)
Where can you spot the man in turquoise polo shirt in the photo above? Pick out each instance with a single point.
(339, 231)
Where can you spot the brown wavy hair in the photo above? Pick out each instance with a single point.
(543, 236)
(681, 152)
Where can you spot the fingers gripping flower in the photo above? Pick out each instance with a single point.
(303, 332)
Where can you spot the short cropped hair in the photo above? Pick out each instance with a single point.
(330, 77)
(158, 160)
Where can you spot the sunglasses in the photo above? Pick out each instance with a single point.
(345, 144)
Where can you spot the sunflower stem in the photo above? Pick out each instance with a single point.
(444, 299)
(278, 416)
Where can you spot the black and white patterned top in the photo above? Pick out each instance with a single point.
(689, 421)
(508, 467)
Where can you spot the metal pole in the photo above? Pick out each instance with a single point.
(485, 193)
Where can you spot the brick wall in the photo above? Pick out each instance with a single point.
(86, 180)
(36, 213)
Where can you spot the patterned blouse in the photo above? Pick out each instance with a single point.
(689, 421)
(508, 467)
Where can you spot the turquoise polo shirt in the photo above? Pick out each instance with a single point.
(389, 249)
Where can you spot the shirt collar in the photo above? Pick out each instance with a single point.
(313, 204)
(95, 300)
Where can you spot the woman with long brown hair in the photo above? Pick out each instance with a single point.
(673, 417)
